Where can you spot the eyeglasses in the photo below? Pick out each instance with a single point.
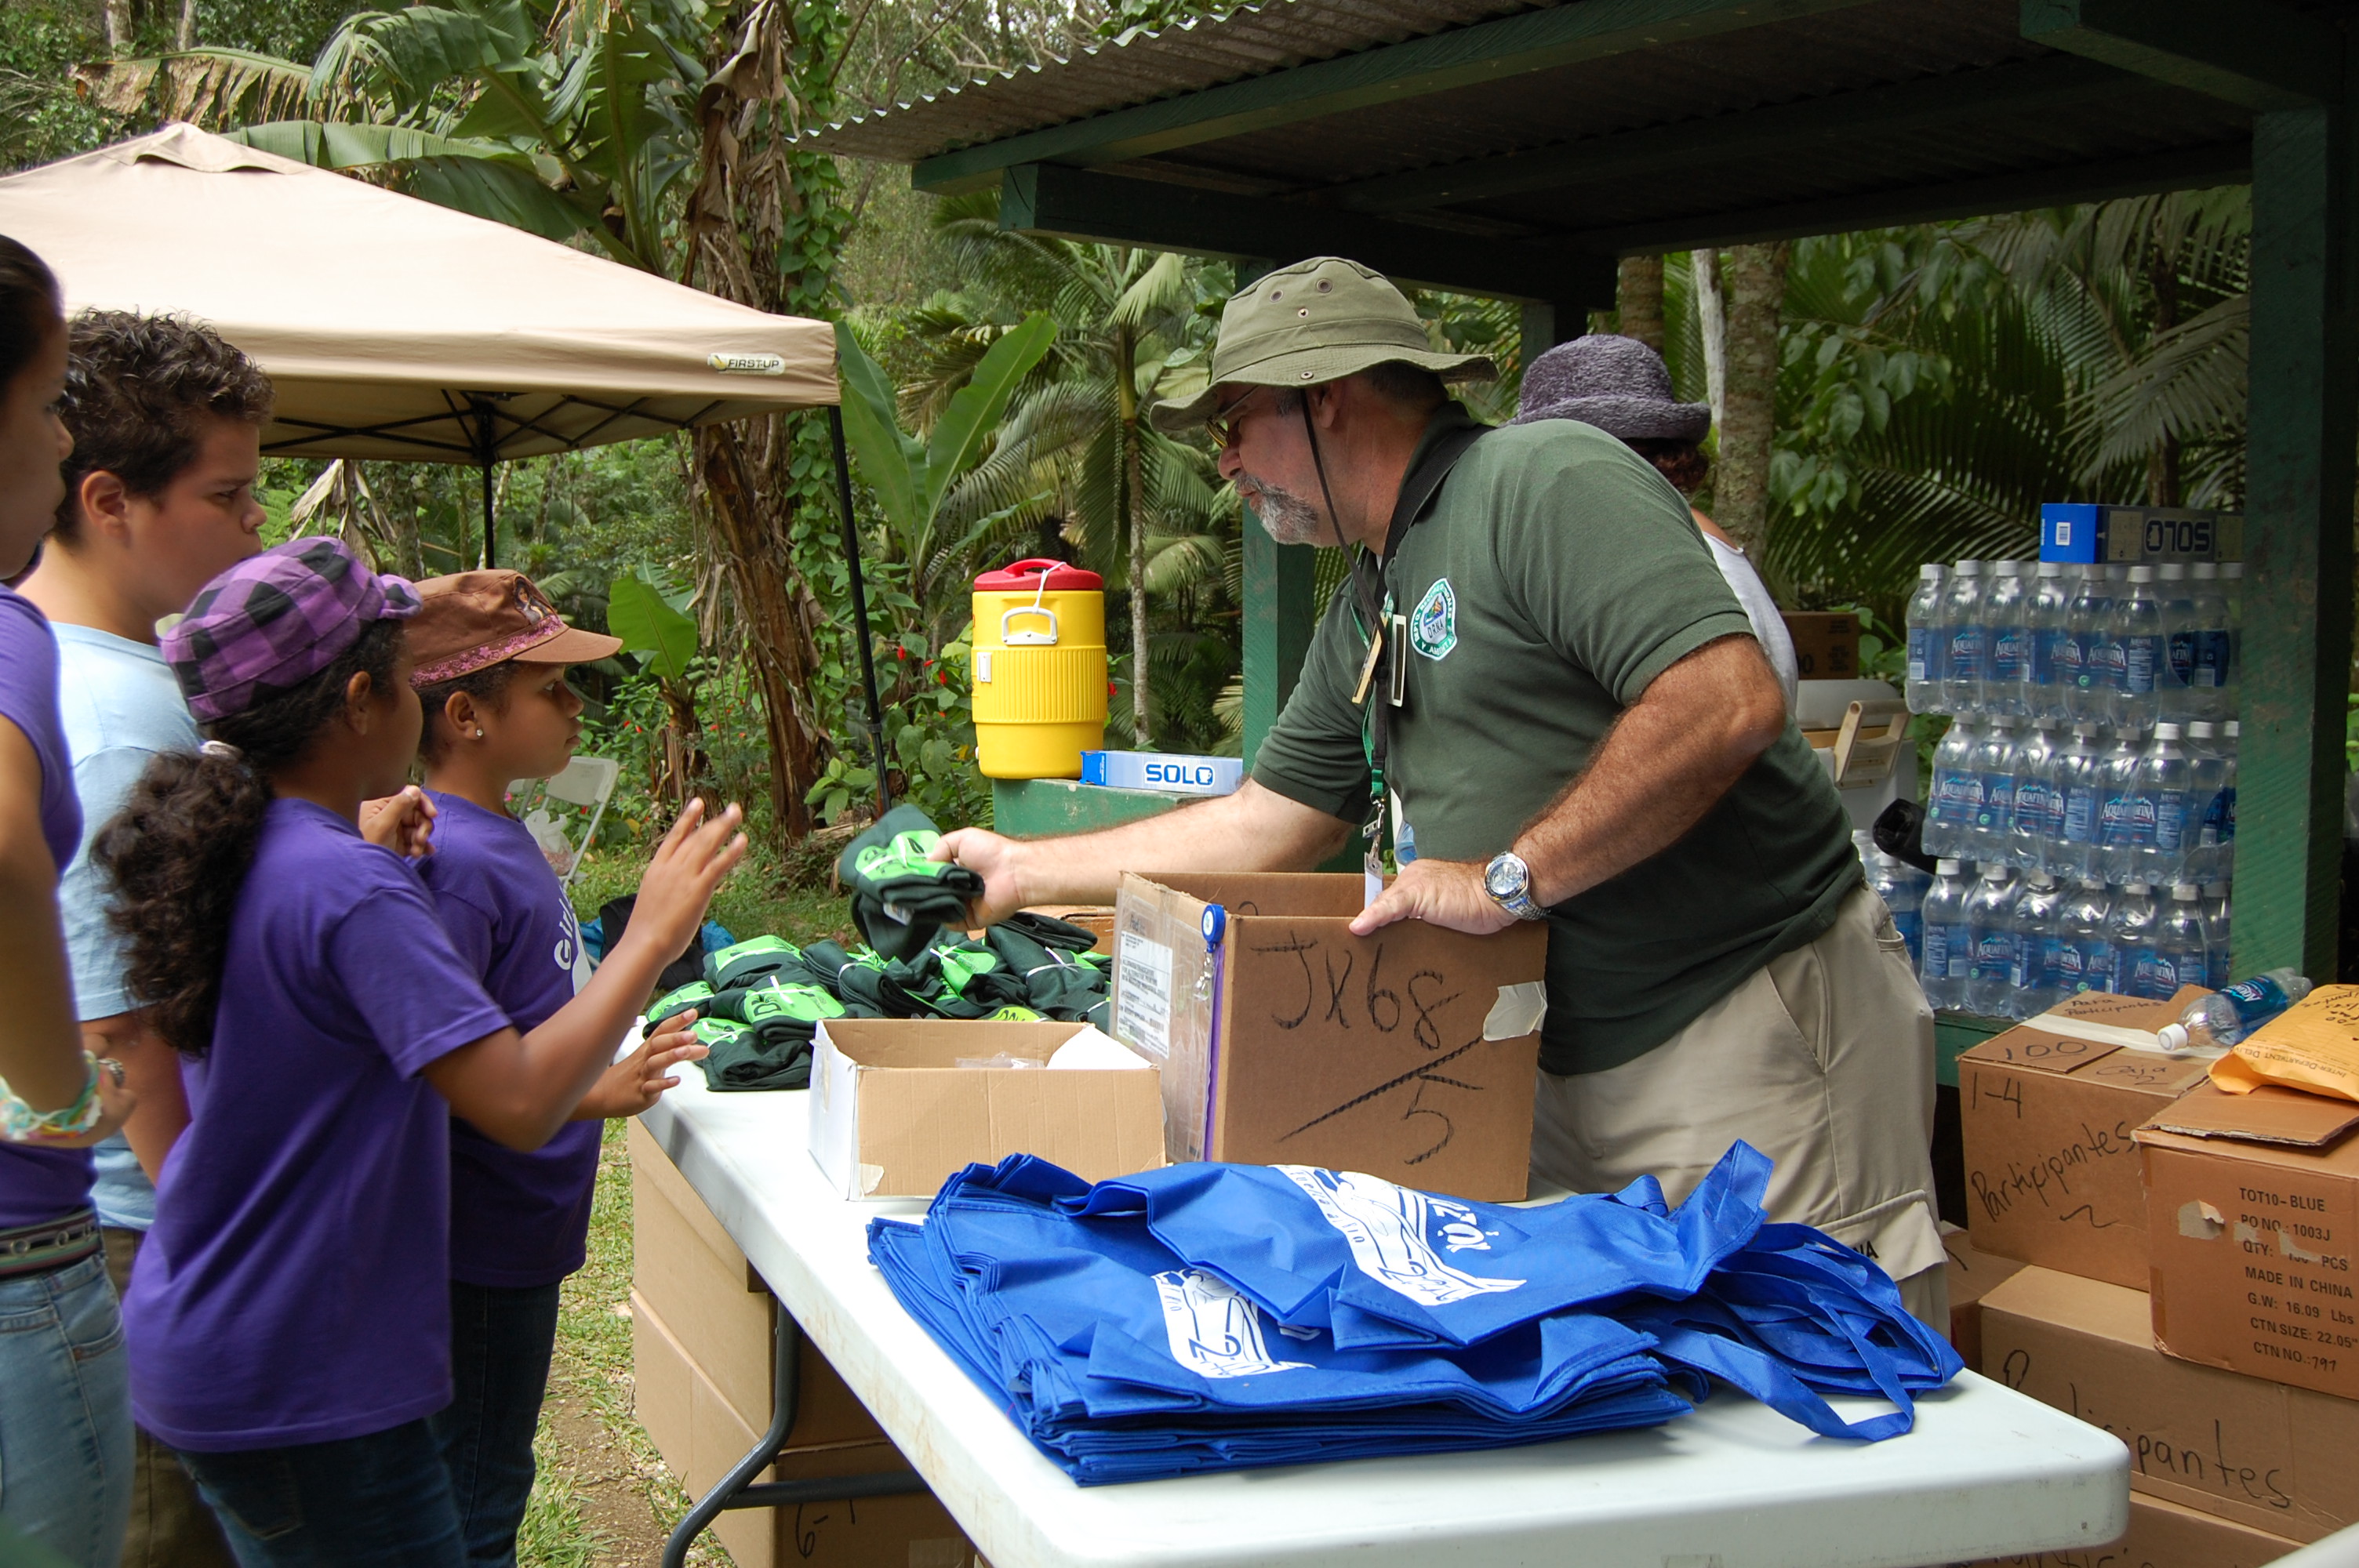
(1225, 424)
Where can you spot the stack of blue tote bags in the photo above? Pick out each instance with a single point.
(1215, 1316)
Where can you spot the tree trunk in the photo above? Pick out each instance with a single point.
(1132, 525)
(1756, 294)
(1712, 321)
(750, 494)
(1638, 300)
(184, 37)
(120, 25)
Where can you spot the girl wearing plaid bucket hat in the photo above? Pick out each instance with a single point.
(289, 1315)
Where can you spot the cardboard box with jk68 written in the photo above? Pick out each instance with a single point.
(1407, 1054)
(2164, 1535)
(2048, 1110)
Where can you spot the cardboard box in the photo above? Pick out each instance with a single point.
(2268, 1457)
(2053, 1176)
(700, 1437)
(1826, 643)
(1972, 1275)
(2252, 1201)
(1284, 1039)
(2164, 1535)
(892, 1113)
(2083, 531)
(689, 1273)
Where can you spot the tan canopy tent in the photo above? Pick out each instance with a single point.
(395, 329)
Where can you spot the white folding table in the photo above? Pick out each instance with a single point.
(1986, 1472)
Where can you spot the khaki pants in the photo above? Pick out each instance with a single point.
(170, 1526)
(1822, 1059)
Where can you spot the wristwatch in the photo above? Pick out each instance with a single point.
(1509, 882)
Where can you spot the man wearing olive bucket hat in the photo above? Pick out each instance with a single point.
(1585, 733)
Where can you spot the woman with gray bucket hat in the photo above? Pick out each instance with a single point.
(1622, 388)
(1538, 672)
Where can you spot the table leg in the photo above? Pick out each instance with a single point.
(738, 1489)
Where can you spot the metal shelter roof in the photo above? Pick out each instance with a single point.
(1512, 149)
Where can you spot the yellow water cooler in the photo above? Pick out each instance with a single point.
(1039, 670)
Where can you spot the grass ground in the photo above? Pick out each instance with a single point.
(604, 1499)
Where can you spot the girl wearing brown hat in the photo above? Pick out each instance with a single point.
(492, 653)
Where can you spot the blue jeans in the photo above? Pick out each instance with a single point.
(379, 1501)
(500, 1344)
(65, 1413)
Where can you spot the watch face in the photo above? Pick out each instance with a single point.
(1502, 878)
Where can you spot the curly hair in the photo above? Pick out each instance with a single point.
(488, 687)
(141, 394)
(180, 848)
(29, 308)
(1681, 462)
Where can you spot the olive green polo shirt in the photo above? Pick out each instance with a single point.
(1552, 576)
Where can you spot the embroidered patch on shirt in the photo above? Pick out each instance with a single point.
(1433, 630)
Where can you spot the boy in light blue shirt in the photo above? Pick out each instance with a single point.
(167, 420)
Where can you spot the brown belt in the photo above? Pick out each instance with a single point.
(53, 1244)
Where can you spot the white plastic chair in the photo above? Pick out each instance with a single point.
(586, 784)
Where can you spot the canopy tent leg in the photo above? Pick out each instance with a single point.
(488, 517)
(487, 453)
(860, 610)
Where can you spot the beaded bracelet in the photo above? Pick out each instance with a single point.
(20, 1123)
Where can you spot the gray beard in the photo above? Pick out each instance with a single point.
(1286, 517)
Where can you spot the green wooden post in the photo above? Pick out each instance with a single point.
(1278, 620)
(2304, 423)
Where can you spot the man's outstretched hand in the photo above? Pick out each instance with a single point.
(1439, 892)
(992, 857)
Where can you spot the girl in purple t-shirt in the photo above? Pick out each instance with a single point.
(491, 655)
(290, 1314)
(65, 1424)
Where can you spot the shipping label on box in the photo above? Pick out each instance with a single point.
(2252, 1204)
(2164, 1535)
(1409, 1055)
(2053, 1176)
(2273, 1457)
(1826, 643)
(893, 1112)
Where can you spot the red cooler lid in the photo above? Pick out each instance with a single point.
(1024, 577)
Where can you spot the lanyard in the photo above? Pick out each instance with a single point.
(1383, 675)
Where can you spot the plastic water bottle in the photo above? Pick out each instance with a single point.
(1947, 949)
(2225, 867)
(2035, 770)
(2084, 960)
(2231, 1013)
(2006, 614)
(2130, 932)
(1994, 763)
(2076, 808)
(1967, 659)
(2081, 656)
(1956, 797)
(2137, 655)
(1928, 641)
(2207, 769)
(2049, 619)
(1904, 896)
(2217, 944)
(2211, 668)
(1990, 933)
(2038, 945)
(2122, 835)
(2163, 806)
(2179, 953)
(2175, 681)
